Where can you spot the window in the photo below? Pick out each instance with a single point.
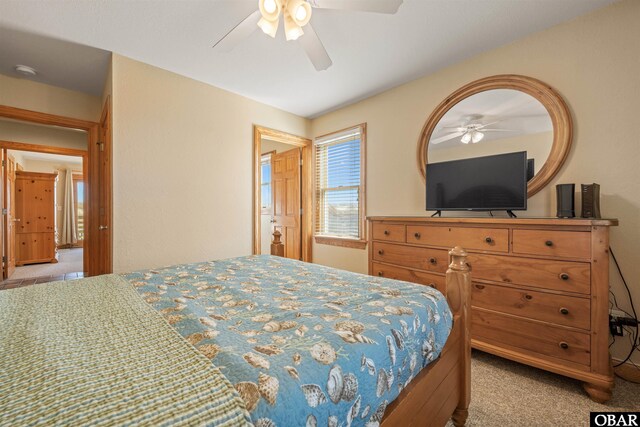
(78, 182)
(340, 187)
(265, 183)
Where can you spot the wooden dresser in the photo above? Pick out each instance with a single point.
(35, 213)
(540, 286)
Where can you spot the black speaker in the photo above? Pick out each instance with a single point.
(591, 201)
(566, 200)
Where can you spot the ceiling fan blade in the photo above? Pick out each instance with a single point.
(375, 6)
(485, 125)
(446, 137)
(499, 130)
(238, 33)
(314, 48)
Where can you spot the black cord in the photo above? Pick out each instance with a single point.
(635, 343)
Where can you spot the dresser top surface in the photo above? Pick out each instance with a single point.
(606, 222)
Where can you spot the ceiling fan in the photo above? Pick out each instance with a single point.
(296, 14)
(472, 130)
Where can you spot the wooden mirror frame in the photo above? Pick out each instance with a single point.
(552, 101)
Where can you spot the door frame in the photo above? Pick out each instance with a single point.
(306, 185)
(93, 240)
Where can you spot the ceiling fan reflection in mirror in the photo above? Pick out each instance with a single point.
(296, 15)
(472, 130)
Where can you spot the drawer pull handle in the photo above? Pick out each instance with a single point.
(488, 240)
(564, 276)
(527, 296)
(548, 243)
(564, 345)
(564, 311)
(380, 252)
(386, 232)
(416, 235)
(380, 273)
(480, 286)
(432, 285)
(433, 261)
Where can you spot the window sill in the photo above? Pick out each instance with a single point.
(341, 241)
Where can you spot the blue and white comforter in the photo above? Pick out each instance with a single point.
(303, 344)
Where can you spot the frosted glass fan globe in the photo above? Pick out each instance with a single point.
(477, 136)
(301, 13)
(270, 6)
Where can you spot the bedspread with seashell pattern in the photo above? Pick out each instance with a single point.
(303, 344)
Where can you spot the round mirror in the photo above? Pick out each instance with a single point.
(498, 115)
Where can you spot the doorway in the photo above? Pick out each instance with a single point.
(283, 192)
(44, 198)
(96, 181)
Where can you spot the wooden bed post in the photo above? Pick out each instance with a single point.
(442, 391)
(277, 247)
(459, 297)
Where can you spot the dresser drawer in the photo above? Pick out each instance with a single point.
(399, 273)
(485, 239)
(536, 339)
(568, 244)
(388, 232)
(409, 256)
(546, 274)
(559, 309)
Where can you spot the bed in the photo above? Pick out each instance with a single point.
(287, 343)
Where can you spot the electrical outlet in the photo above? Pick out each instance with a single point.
(615, 327)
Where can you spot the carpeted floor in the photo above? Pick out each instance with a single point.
(506, 393)
(69, 261)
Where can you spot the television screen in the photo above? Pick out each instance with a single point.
(482, 183)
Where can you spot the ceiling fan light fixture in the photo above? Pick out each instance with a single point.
(270, 9)
(476, 136)
(269, 27)
(466, 138)
(300, 11)
(292, 30)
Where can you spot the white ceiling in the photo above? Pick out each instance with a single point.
(370, 52)
(515, 111)
(46, 157)
(58, 63)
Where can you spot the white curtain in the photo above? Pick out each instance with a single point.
(69, 232)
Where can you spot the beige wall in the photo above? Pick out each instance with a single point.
(23, 93)
(182, 159)
(593, 61)
(266, 145)
(42, 135)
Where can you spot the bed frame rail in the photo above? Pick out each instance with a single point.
(442, 391)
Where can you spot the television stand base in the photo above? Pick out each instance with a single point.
(437, 213)
(511, 214)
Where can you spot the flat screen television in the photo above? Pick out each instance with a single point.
(488, 183)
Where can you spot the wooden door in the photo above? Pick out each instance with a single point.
(3, 231)
(10, 223)
(98, 233)
(285, 173)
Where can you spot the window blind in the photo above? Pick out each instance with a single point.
(338, 184)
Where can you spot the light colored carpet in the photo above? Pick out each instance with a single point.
(505, 393)
(69, 261)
